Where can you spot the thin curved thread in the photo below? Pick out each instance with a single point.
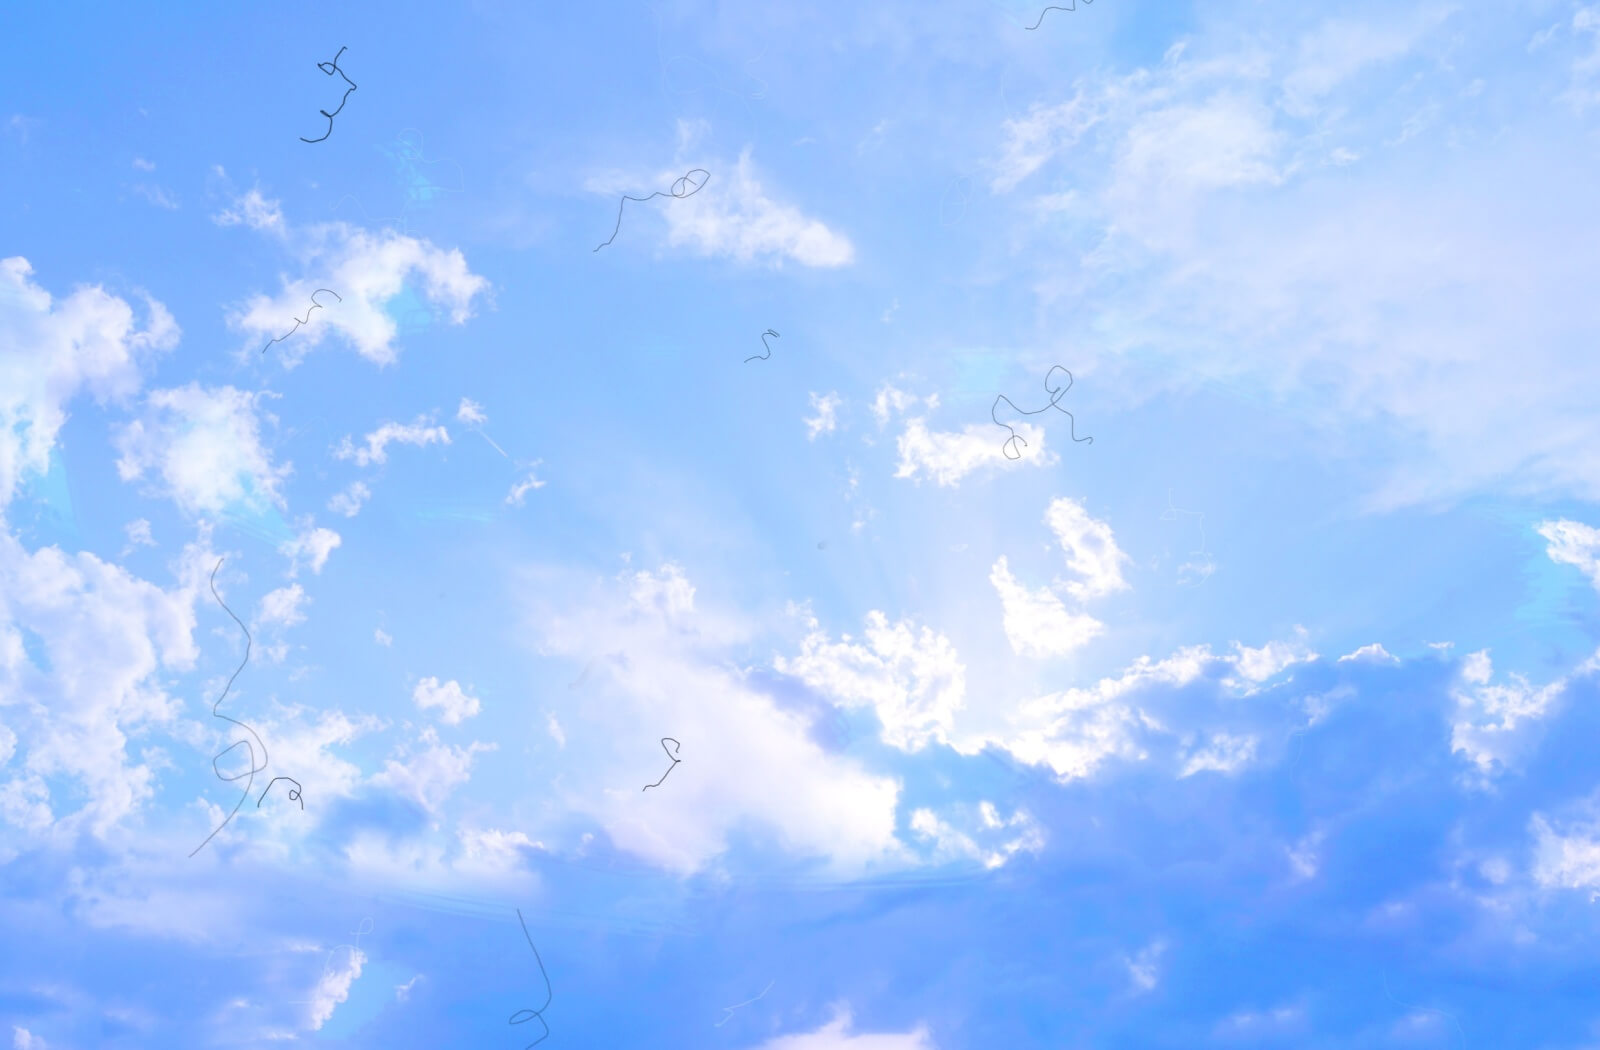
(518, 1018)
(330, 68)
(678, 192)
(1056, 394)
(294, 792)
(758, 357)
(1049, 9)
(1430, 1009)
(671, 755)
(1171, 514)
(730, 1009)
(355, 949)
(298, 322)
(254, 769)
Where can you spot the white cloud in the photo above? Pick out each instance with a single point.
(54, 351)
(1374, 653)
(205, 445)
(556, 732)
(891, 400)
(1043, 133)
(382, 637)
(732, 216)
(1495, 725)
(470, 412)
(333, 988)
(255, 211)
(824, 421)
(108, 640)
(1090, 547)
(520, 490)
(364, 270)
(140, 164)
(950, 843)
(835, 1035)
(22, 1039)
(429, 773)
(349, 501)
(1258, 665)
(312, 546)
(282, 606)
(1144, 968)
(1566, 861)
(402, 992)
(453, 703)
(947, 456)
(1340, 48)
(138, 533)
(491, 854)
(1037, 623)
(914, 681)
(1574, 543)
(748, 759)
(418, 433)
(1224, 753)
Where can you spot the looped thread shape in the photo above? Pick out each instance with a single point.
(1049, 9)
(298, 322)
(254, 769)
(670, 754)
(1056, 394)
(759, 357)
(330, 68)
(294, 792)
(730, 1009)
(680, 190)
(522, 1016)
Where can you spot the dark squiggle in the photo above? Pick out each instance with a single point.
(678, 193)
(254, 769)
(294, 792)
(759, 357)
(670, 754)
(330, 68)
(298, 322)
(1009, 447)
(1049, 9)
(518, 1018)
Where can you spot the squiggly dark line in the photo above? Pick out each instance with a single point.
(675, 761)
(254, 769)
(1055, 402)
(330, 68)
(758, 357)
(294, 792)
(298, 322)
(1049, 9)
(678, 193)
(517, 1017)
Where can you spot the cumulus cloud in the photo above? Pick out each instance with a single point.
(470, 412)
(107, 639)
(948, 456)
(312, 548)
(1223, 753)
(282, 606)
(733, 216)
(520, 490)
(430, 771)
(836, 1035)
(1576, 544)
(419, 433)
(87, 342)
(364, 269)
(1037, 623)
(333, 987)
(951, 844)
(1144, 968)
(348, 502)
(748, 759)
(1374, 653)
(1569, 860)
(1496, 725)
(453, 704)
(913, 680)
(824, 421)
(1090, 547)
(204, 444)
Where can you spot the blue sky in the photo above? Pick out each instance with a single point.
(1262, 719)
